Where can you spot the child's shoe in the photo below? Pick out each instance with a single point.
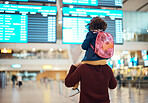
(74, 92)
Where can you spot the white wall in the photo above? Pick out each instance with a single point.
(135, 22)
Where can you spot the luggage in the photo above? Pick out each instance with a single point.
(104, 45)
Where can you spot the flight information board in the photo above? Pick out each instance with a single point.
(75, 20)
(54, 1)
(81, 2)
(13, 28)
(27, 24)
(112, 3)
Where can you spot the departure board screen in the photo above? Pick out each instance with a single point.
(54, 1)
(75, 20)
(27, 24)
(112, 3)
(81, 2)
(13, 28)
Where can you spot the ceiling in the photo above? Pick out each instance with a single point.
(135, 5)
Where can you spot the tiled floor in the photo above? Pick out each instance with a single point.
(34, 92)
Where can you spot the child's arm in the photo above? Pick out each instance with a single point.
(86, 42)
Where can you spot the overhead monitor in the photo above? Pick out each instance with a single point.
(50, 1)
(107, 3)
(27, 24)
(146, 63)
(75, 20)
(130, 64)
(135, 61)
(144, 52)
(110, 63)
(81, 2)
(118, 66)
(110, 3)
(145, 57)
(16, 65)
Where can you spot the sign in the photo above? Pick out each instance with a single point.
(81, 2)
(47, 67)
(6, 50)
(111, 3)
(54, 1)
(110, 63)
(16, 66)
(146, 63)
(75, 20)
(27, 23)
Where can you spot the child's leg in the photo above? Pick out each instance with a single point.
(74, 90)
(76, 86)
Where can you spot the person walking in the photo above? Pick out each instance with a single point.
(93, 73)
(13, 79)
(94, 81)
(119, 79)
(96, 41)
(19, 79)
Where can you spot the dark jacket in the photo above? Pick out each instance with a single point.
(94, 82)
(90, 55)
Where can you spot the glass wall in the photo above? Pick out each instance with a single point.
(135, 26)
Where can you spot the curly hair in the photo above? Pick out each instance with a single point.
(96, 23)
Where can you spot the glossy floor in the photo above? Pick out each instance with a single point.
(56, 92)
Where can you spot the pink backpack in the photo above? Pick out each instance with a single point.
(104, 46)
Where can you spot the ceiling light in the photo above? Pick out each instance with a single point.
(51, 49)
(71, 6)
(33, 49)
(60, 21)
(124, 30)
(60, 50)
(7, 2)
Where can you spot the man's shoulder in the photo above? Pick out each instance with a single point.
(82, 66)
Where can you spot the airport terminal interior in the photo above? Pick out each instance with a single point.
(41, 39)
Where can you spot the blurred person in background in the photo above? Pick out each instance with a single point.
(13, 79)
(46, 81)
(41, 81)
(19, 79)
(119, 79)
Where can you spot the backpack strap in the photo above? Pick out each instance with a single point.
(92, 47)
(96, 31)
